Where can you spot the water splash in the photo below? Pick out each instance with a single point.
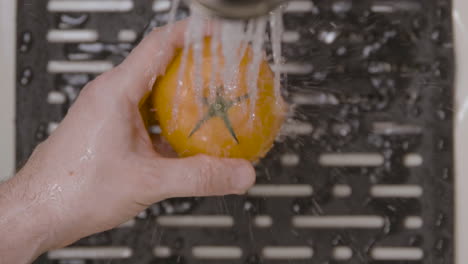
(276, 32)
(197, 37)
(25, 41)
(26, 76)
(180, 82)
(172, 13)
(254, 67)
(214, 50)
(232, 35)
(229, 42)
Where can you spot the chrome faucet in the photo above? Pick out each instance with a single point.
(236, 9)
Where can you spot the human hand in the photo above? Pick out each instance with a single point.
(99, 168)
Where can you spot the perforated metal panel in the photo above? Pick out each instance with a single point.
(362, 175)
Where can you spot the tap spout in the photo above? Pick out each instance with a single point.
(236, 9)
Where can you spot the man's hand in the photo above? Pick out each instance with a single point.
(99, 168)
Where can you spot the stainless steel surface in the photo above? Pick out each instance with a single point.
(236, 9)
(7, 100)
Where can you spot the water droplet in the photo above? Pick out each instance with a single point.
(379, 67)
(342, 129)
(374, 178)
(442, 13)
(419, 23)
(328, 37)
(387, 225)
(374, 101)
(178, 206)
(441, 144)
(253, 259)
(320, 75)
(71, 92)
(253, 206)
(25, 41)
(440, 246)
(436, 35)
(75, 79)
(416, 241)
(440, 220)
(156, 209)
(370, 49)
(446, 174)
(66, 21)
(341, 51)
(337, 240)
(41, 132)
(300, 206)
(26, 76)
(441, 114)
(343, 6)
(376, 82)
(412, 97)
(178, 243)
(319, 132)
(294, 232)
(297, 208)
(168, 208)
(142, 215)
(248, 206)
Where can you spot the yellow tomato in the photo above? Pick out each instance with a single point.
(221, 125)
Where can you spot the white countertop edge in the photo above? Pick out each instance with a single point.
(460, 18)
(7, 87)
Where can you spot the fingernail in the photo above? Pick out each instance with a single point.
(243, 178)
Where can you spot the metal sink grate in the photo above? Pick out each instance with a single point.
(364, 175)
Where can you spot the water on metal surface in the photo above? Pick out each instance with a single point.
(362, 174)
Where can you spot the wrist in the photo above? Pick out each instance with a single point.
(25, 225)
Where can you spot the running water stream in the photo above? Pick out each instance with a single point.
(228, 44)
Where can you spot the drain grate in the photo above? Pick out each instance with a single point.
(364, 175)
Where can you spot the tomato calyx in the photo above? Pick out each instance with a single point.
(219, 108)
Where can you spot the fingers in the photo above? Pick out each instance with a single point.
(206, 176)
(163, 147)
(151, 57)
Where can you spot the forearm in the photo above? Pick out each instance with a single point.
(25, 226)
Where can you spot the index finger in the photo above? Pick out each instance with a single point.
(151, 57)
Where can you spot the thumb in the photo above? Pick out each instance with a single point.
(206, 176)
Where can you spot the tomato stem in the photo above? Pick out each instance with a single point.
(219, 108)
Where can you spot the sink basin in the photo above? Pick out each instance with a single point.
(460, 18)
